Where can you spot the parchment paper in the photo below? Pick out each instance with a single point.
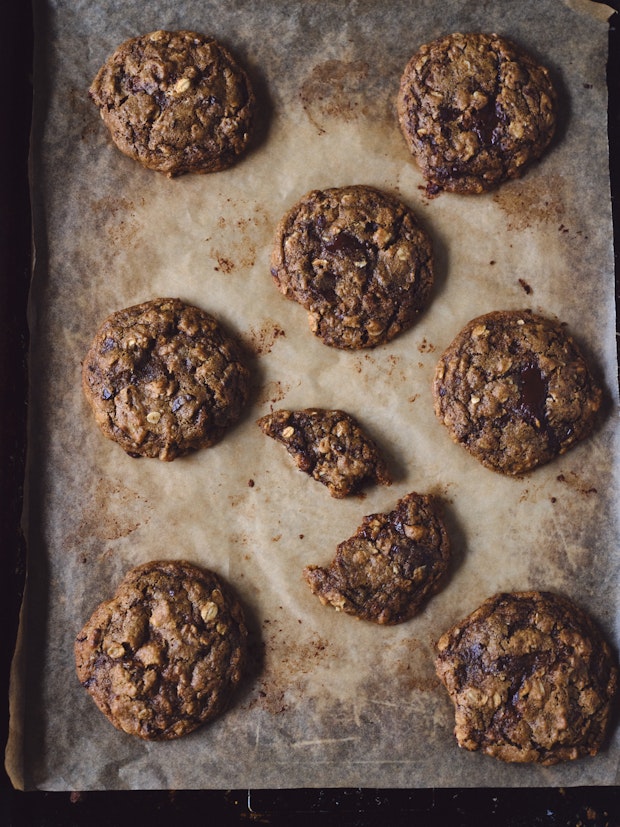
(330, 701)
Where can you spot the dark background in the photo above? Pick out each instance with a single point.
(572, 807)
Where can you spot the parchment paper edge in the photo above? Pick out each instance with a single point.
(598, 11)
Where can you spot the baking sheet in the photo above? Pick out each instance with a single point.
(330, 701)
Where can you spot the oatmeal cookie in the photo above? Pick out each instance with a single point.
(163, 378)
(165, 654)
(357, 260)
(515, 391)
(475, 110)
(390, 566)
(176, 102)
(531, 679)
(330, 446)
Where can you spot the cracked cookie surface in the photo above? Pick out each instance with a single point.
(163, 378)
(357, 260)
(165, 654)
(531, 679)
(329, 445)
(475, 110)
(514, 389)
(176, 101)
(392, 564)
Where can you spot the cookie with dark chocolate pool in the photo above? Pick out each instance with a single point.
(392, 564)
(165, 653)
(531, 678)
(329, 445)
(514, 389)
(475, 110)
(358, 260)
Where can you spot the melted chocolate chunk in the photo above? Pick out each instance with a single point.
(534, 390)
(345, 245)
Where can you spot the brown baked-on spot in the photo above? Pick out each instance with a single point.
(176, 101)
(531, 679)
(329, 445)
(166, 653)
(475, 110)
(357, 260)
(335, 89)
(164, 378)
(391, 565)
(514, 389)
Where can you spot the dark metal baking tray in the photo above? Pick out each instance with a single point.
(587, 806)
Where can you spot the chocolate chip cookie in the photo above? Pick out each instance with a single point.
(475, 110)
(163, 378)
(176, 102)
(330, 446)
(357, 260)
(165, 654)
(386, 571)
(514, 389)
(531, 679)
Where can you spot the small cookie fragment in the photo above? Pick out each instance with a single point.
(390, 566)
(166, 653)
(330, 446)
(176, 101)
(531, 679)
(475, 110)
(357, 260)
(515, 391)
(163, 378)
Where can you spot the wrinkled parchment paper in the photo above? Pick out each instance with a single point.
(330, 701)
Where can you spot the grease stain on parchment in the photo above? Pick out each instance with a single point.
(342, 704)
(335, 89)
(263, 337)
(288, 660)
(528, 203)
(273, 392)
(245, 226)
(118, 214)
(563, 545)
(111, 512)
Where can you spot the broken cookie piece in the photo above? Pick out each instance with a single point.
(330, 446)
(393, 562)
(531, 679)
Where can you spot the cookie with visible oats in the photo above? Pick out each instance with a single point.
(531, 678)
(164, 378)
(475, 110)
(165, 654)
(330, 446)
(392, 564)
(514, 389)
(357, 260)
(176, 101)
